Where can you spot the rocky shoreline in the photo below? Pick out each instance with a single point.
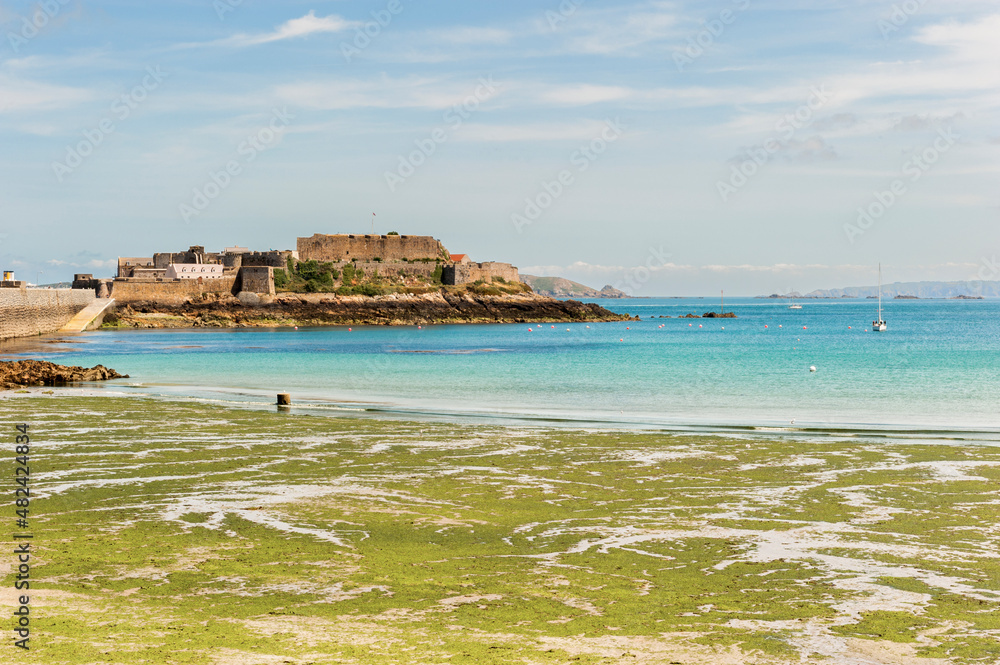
(320, 309)
(23, 373)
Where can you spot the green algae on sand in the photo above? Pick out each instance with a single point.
(189, 533)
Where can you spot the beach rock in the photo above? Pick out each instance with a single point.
(19, 373)
(716, 315)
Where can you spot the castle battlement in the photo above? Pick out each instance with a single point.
(349, 247)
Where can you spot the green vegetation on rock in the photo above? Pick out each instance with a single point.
(177, 532)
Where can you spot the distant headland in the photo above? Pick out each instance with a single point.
(560, 287)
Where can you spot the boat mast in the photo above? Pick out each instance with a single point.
(880, 292)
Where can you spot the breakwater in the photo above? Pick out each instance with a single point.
(27, 312)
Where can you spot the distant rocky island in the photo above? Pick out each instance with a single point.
(970, 290)
(560, 287)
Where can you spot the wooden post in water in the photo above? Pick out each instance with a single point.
(723, 302)
(284, 399)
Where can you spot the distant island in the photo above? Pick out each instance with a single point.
(560, 287)
(907, 290)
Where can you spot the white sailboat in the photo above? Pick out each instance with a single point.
(879, 324)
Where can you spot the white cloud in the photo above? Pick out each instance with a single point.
(581, 95)
(974, 42)
(564, 131)
(470, 35)
(615, 31)
(93, 263)
(386, 93)
(310, 24)
(20, 95)
(592, 269)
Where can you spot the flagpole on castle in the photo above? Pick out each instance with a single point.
(373, 223)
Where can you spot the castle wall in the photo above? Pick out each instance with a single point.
(28, 312)
(343, 247)
(419, 269)
(170, 292)
(256, 279)
(128, 264)
(194, 255)
(466, 273)
(275, 259)
(102, 287)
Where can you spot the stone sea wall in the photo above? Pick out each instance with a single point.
(170, 292)
(28, 312)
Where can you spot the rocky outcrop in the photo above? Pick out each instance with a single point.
(329, 309)
(21, 373)
(717, 315)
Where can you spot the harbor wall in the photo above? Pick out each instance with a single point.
(28, 312)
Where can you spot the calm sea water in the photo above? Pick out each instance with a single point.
(936, 369)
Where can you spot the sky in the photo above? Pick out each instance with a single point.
(665, 148)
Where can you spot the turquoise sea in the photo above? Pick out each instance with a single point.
(935, 371)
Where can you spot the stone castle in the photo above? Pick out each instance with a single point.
(414, 255)
(178, 276)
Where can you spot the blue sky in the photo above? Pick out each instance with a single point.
(668, 148)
